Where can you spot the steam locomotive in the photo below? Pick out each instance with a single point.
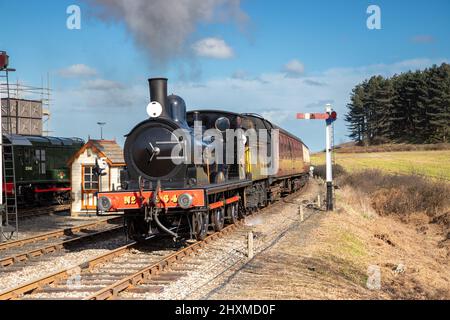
(201, 169)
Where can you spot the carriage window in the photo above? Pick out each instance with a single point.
(90, 179)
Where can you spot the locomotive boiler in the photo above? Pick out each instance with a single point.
(189, 172)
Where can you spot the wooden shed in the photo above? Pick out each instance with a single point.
(85, 184)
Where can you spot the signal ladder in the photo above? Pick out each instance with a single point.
(333, 153)
(10, 223)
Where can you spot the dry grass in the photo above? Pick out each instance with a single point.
(400, 194)
(321, 171)
(416, 246)
(402, 224)
(328, 256)
(433, 164)
(352, 148)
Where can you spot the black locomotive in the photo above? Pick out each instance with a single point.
(175, 177)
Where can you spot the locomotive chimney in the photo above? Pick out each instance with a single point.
(158, 93)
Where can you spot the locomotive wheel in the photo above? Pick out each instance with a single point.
(218, 216)
(232, 213)
(200, 223)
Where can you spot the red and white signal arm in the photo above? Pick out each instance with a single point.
(317, 116)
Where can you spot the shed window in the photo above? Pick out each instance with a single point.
(90, 179)
(119, 175)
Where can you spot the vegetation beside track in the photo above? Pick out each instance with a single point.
(433, 164)
(371, 247)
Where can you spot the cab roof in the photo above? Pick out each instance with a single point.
(21, 140)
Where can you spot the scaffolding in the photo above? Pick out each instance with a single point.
(20, 94)
(20, 91)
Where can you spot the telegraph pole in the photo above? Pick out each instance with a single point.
(329, 116)
(101, 124)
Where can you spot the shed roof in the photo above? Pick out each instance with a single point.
(108, 149)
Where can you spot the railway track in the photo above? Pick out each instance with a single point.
(136, 271)
(23, 250)
(42, 211)
(106, 276)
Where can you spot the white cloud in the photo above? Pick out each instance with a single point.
(239, 74)
(101, 85)
(280, 98)
(163, 27)
(77, 70)
(213, 48)
(294, 69)
(272, 94)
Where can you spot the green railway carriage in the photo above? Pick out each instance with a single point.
(40, 163)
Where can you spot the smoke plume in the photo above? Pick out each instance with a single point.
(164, 27)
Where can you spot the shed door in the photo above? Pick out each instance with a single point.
(89, 188)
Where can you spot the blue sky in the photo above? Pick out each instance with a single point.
(275, 58)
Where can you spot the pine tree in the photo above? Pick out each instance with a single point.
(436, 111)
(384, 108)
(420, 108)
(355, 115)
(446, 102)
(412, 107)
(398, 116)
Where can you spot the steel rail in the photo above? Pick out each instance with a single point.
(55, 234)
(36, 212)
(24, 256)
(130, 281)
(156, 268)
(121, 285)
(33, 285)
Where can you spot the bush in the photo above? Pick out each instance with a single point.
(400, 194)
(321, 171)
(393, 148)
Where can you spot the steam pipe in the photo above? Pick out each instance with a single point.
(155, 216)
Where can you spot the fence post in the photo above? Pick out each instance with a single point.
(250, 252)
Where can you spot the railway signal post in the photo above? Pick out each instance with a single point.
(329, 116)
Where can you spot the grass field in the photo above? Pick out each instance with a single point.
(434, 164)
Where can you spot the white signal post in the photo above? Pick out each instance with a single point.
(329, 116)
(329, 163)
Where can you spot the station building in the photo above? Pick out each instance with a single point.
(85, 183)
